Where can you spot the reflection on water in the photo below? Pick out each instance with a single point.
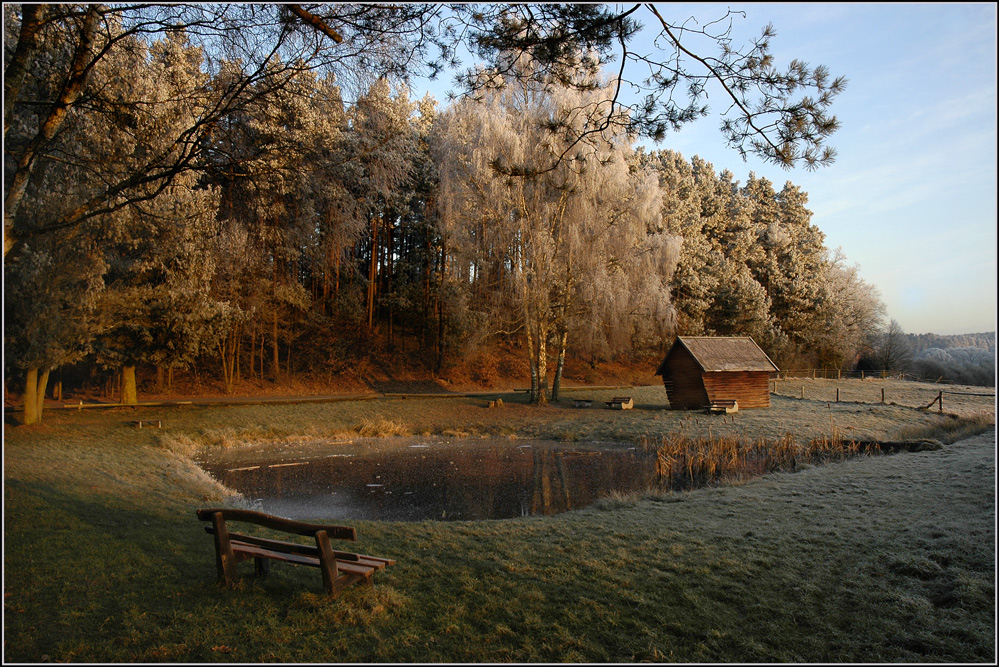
(391, 479)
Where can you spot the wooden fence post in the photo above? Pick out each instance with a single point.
(837, 394)
(882, 395)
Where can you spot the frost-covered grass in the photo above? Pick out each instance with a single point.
(876, 559)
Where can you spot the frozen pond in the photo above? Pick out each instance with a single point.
(396, 479)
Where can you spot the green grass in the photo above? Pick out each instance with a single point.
(877, 559)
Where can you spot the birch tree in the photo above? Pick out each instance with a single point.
(559, 230)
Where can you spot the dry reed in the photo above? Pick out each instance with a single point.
(684, 463)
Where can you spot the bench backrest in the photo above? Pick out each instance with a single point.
(277, 523)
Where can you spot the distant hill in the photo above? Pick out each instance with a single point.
(983, 341)
(962, 359)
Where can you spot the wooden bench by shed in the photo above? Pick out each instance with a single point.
(724, 407)
(339, 568)
(621, 403)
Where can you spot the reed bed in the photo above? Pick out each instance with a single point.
(684, 463)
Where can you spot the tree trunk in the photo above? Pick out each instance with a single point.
(160, 375)
(542, 364)
(389, 250)
(32, 20)
(34, 395)
(31, 397)
(129, 396)
(274, 337)
(253, 352)
(440, 311)
(227, 348)
(53, 121)
(239, 350)
(532, 364)
(372, 271)
(290, 348)
(559, 365)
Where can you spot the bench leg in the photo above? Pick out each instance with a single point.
(327, 564)
(261, 567)
(225, 559)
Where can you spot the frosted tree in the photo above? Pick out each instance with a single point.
(302, 175)
(154, 302)
(382, 149)
(893, 351)
(583, 224)
(693, 208)
(622, 300)
(779, 115)
(56, 50)
(50, 303)
(155, 307)
(741, 306)
(240, 290)
(137, 99)
(849, 313)
(752, 263)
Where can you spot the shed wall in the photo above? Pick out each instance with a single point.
(682, 379)
(750, 388)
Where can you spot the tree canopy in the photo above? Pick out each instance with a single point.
(252, 188)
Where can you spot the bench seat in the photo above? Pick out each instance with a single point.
(621, 403)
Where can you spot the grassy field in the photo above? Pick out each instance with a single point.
(877, 559)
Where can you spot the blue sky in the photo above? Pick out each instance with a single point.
(911, 197)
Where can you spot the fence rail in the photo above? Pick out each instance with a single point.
(786, 386)
(836, 374)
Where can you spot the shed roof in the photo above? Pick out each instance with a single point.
(724, 353)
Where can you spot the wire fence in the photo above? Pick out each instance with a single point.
(836, 374)
(912, 393)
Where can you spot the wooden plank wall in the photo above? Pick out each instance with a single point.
(682, 379)
(750, 388)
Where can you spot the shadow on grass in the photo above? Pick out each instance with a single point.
(94, 579)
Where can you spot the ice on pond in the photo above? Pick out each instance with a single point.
(394, 479)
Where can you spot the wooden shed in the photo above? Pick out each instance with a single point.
(699, 371)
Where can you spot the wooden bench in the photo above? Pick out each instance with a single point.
(723, 406)
(339, 568)
(582, 402)
(621, 403)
